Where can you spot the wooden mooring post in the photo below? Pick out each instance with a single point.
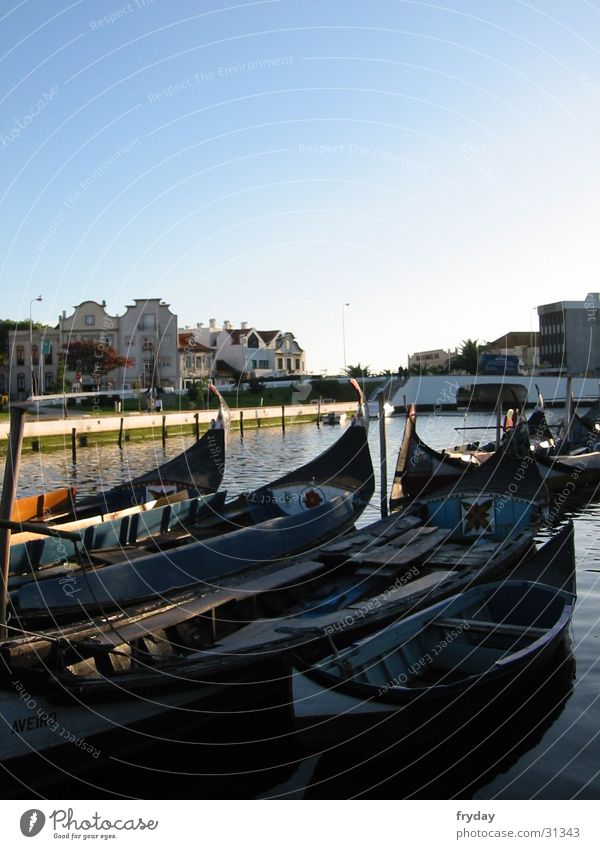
(383, 457)
(74, 444)
(241, 424)
(121, 433)
(283, 418)
(319, 413)
(164, 430)
(7, 502)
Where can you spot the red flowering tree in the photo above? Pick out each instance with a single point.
(92, 357)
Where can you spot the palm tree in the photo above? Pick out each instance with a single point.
(468, 356)
(357, 371)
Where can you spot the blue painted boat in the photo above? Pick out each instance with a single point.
(470, 642)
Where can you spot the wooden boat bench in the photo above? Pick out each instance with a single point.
(482, 625)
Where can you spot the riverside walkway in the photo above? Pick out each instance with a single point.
(44, 431)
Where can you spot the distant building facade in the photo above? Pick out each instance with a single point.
(146, 334)
(33, 363)
(426, 359)
(250, 352)
(570, 336)
(148, 330)
(517, 343)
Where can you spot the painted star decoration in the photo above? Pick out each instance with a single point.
(477, 516)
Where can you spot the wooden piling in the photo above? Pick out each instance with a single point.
(121, 433)
(164, 430)
(319, 413)
(283, 418)
(241, 424)
(7, 503)
(197, 426)
(74, 444)
(383, 457)
(257, 419)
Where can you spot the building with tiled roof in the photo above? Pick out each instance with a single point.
(251, 352)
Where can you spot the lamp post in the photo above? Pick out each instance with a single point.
(344, 332)
(33, 379)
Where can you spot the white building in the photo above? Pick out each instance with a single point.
(148, 332)
(253, 352)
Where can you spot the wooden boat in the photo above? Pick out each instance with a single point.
(421, 469)
(373, 409)
(188, 651)
(585, 428)
(197, 471)
(184, 647)
(334, 419)
(476, 639)
(483, 637)
(48, 505)
(126, 562)
(343, 470)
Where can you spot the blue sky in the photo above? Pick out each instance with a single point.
(434, 165)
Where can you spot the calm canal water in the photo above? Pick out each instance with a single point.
(540, 744)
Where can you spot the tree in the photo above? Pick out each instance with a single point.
(468, 356)
(8, 324)
(93, 357)
(357, 371)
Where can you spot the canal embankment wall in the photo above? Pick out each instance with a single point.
(44, 433)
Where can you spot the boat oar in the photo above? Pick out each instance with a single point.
(39, 528)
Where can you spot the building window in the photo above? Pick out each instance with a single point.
(148, 366)
(20, 355)
(280, 363)
(35, 355)
(90, 320)
(297, 364)
(47, 352)
(263, 364)
(148, 322)
(48, 381)
(253, 364)
(188, 362)
(288, 364)
(253, 340)
(147, 344)
(20, 383)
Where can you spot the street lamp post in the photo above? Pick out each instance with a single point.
(344, 332)
(32, 371)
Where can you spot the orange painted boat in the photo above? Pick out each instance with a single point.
(38, 508)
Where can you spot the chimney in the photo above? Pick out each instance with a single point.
(244, 325)
(64, 314)
(226, 325)
(212, 323)
(199, 325)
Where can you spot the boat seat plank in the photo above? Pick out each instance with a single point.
(425, 582)
(318, 623)
(491, 627)
(417, 547)
(213, 598)
(377, 535)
